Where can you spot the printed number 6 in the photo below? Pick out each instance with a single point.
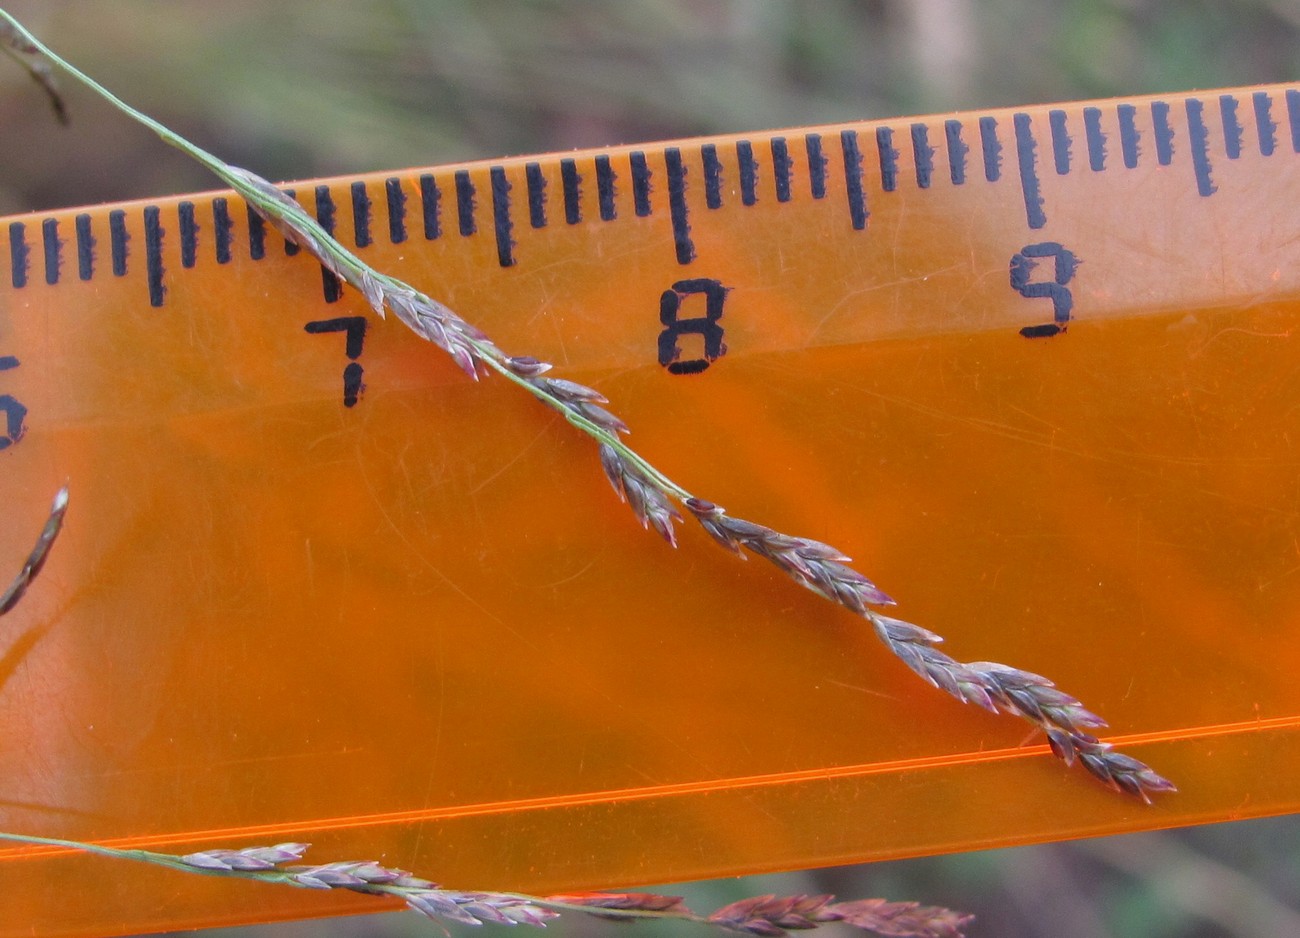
(13, 410)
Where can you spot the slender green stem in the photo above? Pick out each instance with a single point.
(561, 906)
(214, 164)
(169, 860)
(140, 856)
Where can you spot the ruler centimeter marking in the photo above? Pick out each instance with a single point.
(693, 178)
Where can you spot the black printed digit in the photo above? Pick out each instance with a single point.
(1024, 266)
(14, 410)
(355, 329)
(676, 325)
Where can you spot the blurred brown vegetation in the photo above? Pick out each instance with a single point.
(302, 88)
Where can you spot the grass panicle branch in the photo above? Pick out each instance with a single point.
(763, 915)
(29, 58)
(36, 559)
(650, 494)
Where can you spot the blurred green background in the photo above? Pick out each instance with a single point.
(302, 88)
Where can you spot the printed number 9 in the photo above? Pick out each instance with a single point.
(1022, 269)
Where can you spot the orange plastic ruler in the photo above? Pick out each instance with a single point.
(1035, 369)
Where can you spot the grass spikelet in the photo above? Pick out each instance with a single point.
(901, 918)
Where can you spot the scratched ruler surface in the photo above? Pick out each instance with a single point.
(1033, 368)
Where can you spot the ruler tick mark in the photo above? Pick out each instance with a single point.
(256, 239)
(957, 151)
(85, 247)
(501, 223)
(1129, 137)
(1293, 115)
(888, 159)
(53, 249)
(677, 205)
(18, 253)
(325, 209)
(119, 238)
(1198, 138)
(922, 155)
(640, 183)
(748, 167)
(1163, 132)
(782, 164)
(361, 215)
(605, 188)
(1060, 141)
(816, 165)
(536, 194)
(396, 200)
(222, 231)
(572, 185)
(430, 197)
(153, 241)
(465, 203)
(1232, 132)
(1026, 158)
(852, 151)
(712, 176)
(1095, 139)
(188, 228)
(991, 148)
(1265, 128)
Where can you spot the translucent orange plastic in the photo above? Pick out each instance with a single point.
(421, 628)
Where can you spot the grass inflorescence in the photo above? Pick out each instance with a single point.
(658, 502)
(653, 497)
(760, 915)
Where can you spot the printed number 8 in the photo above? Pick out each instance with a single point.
(706, 326)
